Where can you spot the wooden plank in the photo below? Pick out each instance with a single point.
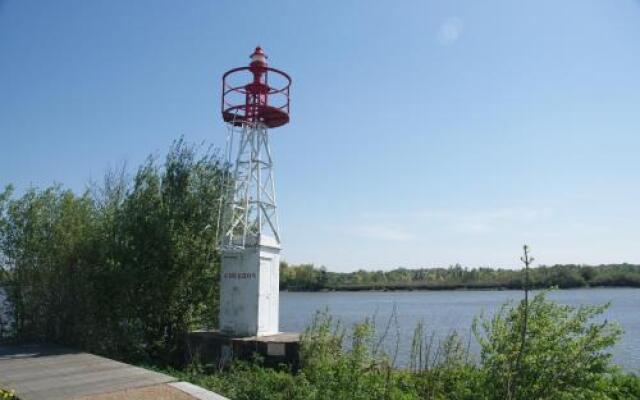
(88, 378)
(56, 373)
(85, 388)
(57, 362)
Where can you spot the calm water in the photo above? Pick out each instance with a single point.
(444, 311)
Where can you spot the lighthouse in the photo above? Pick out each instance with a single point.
(255, 99)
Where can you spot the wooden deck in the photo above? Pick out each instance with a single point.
(56, 373)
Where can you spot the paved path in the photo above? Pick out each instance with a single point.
(55, 373)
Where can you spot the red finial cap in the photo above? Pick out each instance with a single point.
(258, 56)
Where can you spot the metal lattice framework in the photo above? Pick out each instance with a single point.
(250, 205)
(250, 107)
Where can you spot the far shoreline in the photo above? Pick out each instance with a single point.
(445, 289)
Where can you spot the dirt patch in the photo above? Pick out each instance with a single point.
(157, 392)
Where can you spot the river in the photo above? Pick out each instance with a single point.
(444, 311)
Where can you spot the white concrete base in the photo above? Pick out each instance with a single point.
(250, 290)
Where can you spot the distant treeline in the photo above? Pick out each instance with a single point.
(307, 277)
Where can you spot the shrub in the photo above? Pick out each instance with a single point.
(125, 269)
(6, 395)
(359, 371)
(566, 354)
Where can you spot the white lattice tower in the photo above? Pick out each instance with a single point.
(250, 209)
(250, 240)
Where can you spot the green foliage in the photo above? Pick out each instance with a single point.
(7, 395)
(442, 369)
(565, 357)
(249, 380)
(619, 386)
(306, 277)
(362, 367)
(125, 269)
(301, 277)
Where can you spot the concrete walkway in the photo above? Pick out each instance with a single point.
(42, 372)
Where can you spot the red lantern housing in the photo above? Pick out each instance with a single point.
(257, 101)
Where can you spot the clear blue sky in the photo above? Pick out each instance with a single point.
(423, 133)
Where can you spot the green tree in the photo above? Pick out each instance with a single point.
(125, 269)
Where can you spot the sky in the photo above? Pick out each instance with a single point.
(422, 134)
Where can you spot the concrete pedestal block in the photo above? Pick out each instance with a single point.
(250, 290)
(218, 349)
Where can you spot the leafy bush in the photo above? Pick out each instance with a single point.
(620, 386)
(565, 355)
(362, 367)
(127, 268)
(7, 395)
